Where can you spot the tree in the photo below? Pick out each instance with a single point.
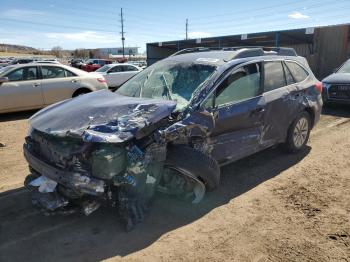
(57, 51)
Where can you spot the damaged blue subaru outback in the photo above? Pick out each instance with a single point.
(169, 129)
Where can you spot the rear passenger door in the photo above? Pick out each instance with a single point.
(280, 93)
(58, 83)
(239, 110)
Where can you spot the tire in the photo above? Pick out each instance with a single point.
(201, 166)
(298, 133)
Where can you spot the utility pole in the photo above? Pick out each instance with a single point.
(186, 28)
(122, 32)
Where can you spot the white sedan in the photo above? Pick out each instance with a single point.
(36, 85)
(117, 74)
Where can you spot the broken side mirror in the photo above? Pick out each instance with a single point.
(3, 80)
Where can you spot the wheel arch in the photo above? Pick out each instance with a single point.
(311, 112)
(81, 90)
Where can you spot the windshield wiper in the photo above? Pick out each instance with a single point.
(169, 94)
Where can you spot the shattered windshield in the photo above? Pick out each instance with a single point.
(168, 80)
(345, 68)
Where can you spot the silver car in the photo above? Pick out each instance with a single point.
(117, 74)
(36, 85)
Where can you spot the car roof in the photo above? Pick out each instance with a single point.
(220, 56)
(119, 64)
(74, 70)
(211, 57)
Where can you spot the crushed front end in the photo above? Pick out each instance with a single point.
(69, 174)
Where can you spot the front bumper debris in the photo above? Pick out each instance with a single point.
(78, 182)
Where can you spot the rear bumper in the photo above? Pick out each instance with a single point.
(78, 182)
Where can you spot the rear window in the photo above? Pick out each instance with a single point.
(299, 73)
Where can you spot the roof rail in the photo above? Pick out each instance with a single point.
(244, 51)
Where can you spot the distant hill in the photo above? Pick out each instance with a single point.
(17, 48)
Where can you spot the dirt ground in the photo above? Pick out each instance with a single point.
(269, 207)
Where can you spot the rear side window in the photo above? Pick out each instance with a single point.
(52, 72)
(127, 68)
(274, 76)
(242, 84)
(115, 69)
(299, 73)
(69, 73)
(289, 77)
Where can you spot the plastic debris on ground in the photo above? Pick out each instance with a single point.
(46, 185)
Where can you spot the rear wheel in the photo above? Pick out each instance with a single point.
(298, 133)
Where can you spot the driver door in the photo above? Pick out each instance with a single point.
(22, 91)
(239, 110)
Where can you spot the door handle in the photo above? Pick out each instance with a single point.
(258, 111)
(36, 84)
(74, 81)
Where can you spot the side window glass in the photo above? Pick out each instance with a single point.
(242, 84)
(69, 74)
(52, 72)
(274, 76)
(208, 103)
(30, 73)
(131, 68)
(289, 77)
(16, 75)
(297, 71)
(115, 69)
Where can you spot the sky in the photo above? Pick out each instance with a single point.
(96, 23)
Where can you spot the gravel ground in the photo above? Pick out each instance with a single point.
(269, 207)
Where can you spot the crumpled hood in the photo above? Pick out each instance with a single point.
(337, 78)
(101, 116)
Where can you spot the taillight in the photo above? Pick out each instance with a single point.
(318, 87)
(101, 80)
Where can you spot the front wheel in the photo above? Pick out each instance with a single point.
(189, 173)
(298, 133)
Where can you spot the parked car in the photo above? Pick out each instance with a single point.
(77, 63)
(17, 61)
(21, 61)
(47, 62)
(117, 74)
(141, 64)
(93, 64)
(30, 86)
(170, 128)
(336, 87)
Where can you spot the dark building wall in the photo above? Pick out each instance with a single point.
(331, 49)
(326, 49)
(156, 53)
